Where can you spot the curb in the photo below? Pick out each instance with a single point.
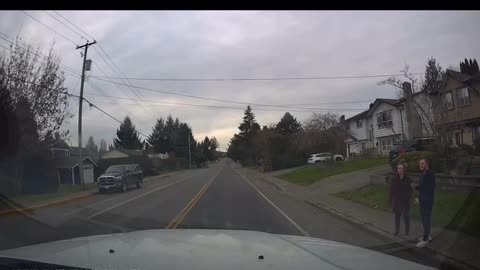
(382, 232)
(50, 204)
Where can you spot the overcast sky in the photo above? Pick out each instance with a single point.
(245, 44)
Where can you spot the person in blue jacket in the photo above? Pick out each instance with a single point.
(426, 190)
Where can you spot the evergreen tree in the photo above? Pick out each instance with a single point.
(433, 76)
(103, 146)
(157, 140)
(91, 146)
(469, 66)
(288, 125)
(127, 136)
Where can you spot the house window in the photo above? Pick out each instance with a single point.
(458, 138)
(386, 145)
(475, 134)
(449, 100)
(359, 123)
(384, 119)
(463, 97)
(363, 146)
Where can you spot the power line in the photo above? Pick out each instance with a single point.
(101, 48)
(64, 24)
(70, 95)
(257, 79)
(210, 99)
(230, 107)
(26, 46)
(73, 24)
(33, 18)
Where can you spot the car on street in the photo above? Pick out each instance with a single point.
(399, 149)
(323, 157)
(120, 177)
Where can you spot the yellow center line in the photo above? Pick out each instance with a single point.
(177, 220)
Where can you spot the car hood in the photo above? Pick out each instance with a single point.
(112, 174)
(206, 249)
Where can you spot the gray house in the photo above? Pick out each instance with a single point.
(67, 163)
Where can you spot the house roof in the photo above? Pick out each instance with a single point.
(71, 162)
(462, 77)
(357, 116)
(129, 152)
(390, 101)
(60, 144)
(94, 156)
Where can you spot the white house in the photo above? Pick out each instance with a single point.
(386, 122)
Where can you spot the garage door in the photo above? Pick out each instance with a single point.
(88, 173)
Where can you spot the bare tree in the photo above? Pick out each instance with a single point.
(321, 132)
(423, 103)
(39, 80)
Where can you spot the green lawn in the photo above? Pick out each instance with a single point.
(63, 190)
(454, 210)
(309, 175)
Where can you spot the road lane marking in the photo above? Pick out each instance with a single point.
(177, 220)
(134, 198)
(109, 199)
(305, 233)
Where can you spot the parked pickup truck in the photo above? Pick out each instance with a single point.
(119, 177)
(323, 157)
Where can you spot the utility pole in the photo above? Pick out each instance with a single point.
(189, 153)
(80, 167)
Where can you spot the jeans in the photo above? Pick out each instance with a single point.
(406, 217)
(426, 216)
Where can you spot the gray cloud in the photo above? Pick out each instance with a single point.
(247, 44)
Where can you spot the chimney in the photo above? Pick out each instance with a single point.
(413, 118)
(407, 89)
(342, 118)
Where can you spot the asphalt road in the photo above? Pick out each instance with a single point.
(218, 197)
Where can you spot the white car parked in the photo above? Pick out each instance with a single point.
(323, 157)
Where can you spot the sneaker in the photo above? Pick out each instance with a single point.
(429, 238)
(421, 244)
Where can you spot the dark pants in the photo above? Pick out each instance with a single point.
(426, 207)
(406, 217)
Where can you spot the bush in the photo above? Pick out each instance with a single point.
(412, 159)
(465, 148)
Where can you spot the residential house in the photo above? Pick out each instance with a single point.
(386, 122)
(457, 108)
(67, 163)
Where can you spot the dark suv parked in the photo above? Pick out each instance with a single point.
(120, 177)
(398, 149)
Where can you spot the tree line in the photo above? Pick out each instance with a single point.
(287, 143)
(168, 136)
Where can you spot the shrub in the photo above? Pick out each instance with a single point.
(412, 159)
(465, 148)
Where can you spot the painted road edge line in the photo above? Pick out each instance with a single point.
(136, 197)
(177, 220)
(50, 204)
(109, 199)
(300, 229)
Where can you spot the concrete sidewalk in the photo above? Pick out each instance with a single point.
(457, 246)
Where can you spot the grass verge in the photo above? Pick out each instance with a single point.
(453, 210)
(311, 174)
(63, 191)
